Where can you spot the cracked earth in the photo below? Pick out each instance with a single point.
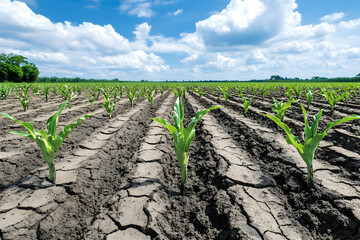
(119, 178)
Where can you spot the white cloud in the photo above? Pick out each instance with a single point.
(248, 22)
(333, 17)
(139, 8)
(350, 24)
(176, 13)
(135, 60)
(245, 40)
(82, 47)
(236, 39)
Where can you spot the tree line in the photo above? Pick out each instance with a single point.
(16, 68)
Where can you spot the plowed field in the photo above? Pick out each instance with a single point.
(119, 178)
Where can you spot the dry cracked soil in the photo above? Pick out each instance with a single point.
(119, 178)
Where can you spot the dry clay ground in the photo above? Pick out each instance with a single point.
(119, 179)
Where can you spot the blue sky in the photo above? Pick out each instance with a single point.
(183, 39)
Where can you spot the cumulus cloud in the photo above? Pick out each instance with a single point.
(248, 36)
(248, 22)
(73, 47)
(350, 24)
(248, 39)
(333, 17)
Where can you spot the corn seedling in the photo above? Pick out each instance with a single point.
(23, 97)
(131, 94)
(298, 90)
(345, 96)
(262, 92)
(312, 137)
(309, 98)
(288, 94)
(45, 91)
(5, 91)
(255, 91)
(48, 141)
(67, 93)
(240, 93)
(247, 102)
(35, 90)
(150, 96)
(183, 136)
(332, 97)
(92, 96)
(225, 92)
(279, 108)
(109, 104)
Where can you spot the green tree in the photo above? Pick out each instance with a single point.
(16, 68)
(30, 73)
(275, 77)
(9, 72)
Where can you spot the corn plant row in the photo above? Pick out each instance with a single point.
(49, 141)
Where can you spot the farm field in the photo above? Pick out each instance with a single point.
(119, 178)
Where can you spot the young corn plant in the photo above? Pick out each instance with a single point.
(23, 97)
(45, 91)
(92, 96)
(298, 90)
(199, 91)
(247, 103)
(67, 93)
(240, 92)
(183, 136)
(346, 96)
(225, 92)
(262, 92)
(109, 104)
(312, 137)
(49, 141)
(279, 108)
(36, 90)
(332, 97)
(309, 98)
(131, 92)
(288, 92)
(150, 96)
(5, 91)
(255, 92)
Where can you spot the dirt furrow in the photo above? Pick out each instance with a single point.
(250, 189)
(133, 209)
(312, 207)
(21, 156)
(36, 209)
(335, 148)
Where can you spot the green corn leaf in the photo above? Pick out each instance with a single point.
(52, 122)
(182, 136)
(179, 114)
(345, 119)
(166, 124)
(24, 134)
(307, 130)
(315, 123)
(291, 138)
(26, 125)
(189, 132)
(67, 129)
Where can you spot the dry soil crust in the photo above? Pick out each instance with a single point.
(239, 186)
